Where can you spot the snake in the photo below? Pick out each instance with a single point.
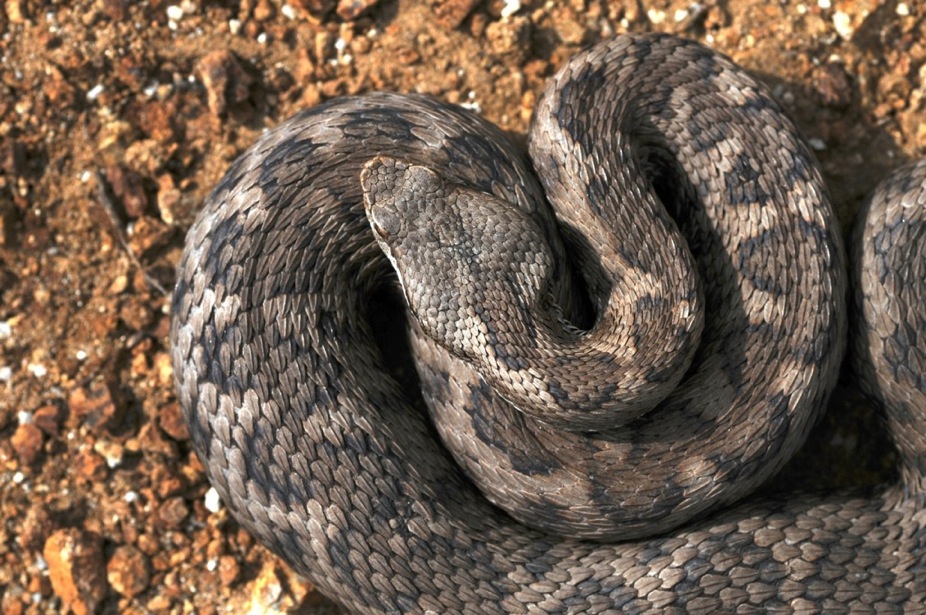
(619, 335)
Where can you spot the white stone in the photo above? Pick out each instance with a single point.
(843, 24)
(174, 12)
(212, 500)
(511, 7)
(95, 92)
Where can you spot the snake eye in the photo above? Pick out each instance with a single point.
(385, 223)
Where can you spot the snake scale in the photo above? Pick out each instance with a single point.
(628, 366)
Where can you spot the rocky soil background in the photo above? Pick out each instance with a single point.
(116, 118)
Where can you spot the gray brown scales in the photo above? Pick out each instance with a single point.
(737, 285)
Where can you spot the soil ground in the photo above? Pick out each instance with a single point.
(117, 117)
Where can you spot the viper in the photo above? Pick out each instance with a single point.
(618, 339)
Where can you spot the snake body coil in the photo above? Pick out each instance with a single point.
(732, 294)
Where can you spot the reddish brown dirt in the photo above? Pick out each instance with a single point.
(117, 117)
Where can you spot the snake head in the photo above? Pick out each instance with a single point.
(395, 195)
(389, 185)
(455, 249)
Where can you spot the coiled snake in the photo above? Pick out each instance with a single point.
(621, 376)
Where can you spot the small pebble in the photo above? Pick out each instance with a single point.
(128, 571)
(171, 420)
(349, 10)
(76, 569)
(450, 14)
(27, 441)
(94, 92)
(92, 406)
(472, 104)
(511, 7)
(656, 16)
(843, 24)
(172, 512)
(174, 12)
(832, 85)
(226, 82)
(47, 419)
(112, 452)
(16, 11)
(212, 500)
(268, 589)
(229, 570)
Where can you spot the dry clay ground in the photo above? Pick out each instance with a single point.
(117, 117)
